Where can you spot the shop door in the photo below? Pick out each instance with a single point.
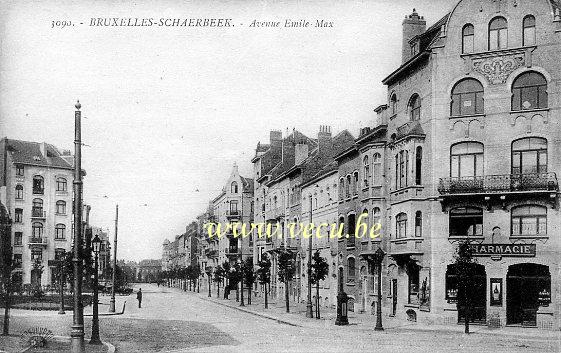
(478, 296)
(527, 287)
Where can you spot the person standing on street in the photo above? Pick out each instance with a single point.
(139, 297)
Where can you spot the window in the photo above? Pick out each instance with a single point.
(351, 224)
(377, 169)
(375, 215)
(19, 170)
(418, 224)
(37, 230)
(366, 166)
(529, 220)
(38, 185)
(415, 107)
(401, 226)
(36, 254)
(342, 188)
(413, 279)
(19, 192)
(466, 222)
(61, 184)
(234, 188)
(60, 207)
(393, 104)
(467, 98)
(351, 266)
(418, 164)
(348, 187)
(498, 33)
(415, 48)
(529, 156)
(59, 254)
(37, 209)
(60, 230)
(17, 260)
(18, 238)
(529, 30)
(529, 91)
(355, 183)
(18, 215)
(467, 39)
(402, 161)
(466, 160)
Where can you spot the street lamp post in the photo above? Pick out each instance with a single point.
(77, 333)
(96, 244)
(61, 280)
(208, 271)
(309, 309)
(379, 257)
(112, 301)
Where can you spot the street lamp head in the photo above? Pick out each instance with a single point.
(96, 244)
(78, 105)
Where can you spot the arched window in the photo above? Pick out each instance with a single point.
(355, 183)
(415, 107)
(60, 230)
(234, 188)
(60, 207)
(366, 166)
(393, 104)
(37, 208)
(351, 267)
(375, 215)
(467, 39)
(37, 230)
(365, 219)
(38, 185)
(466, 222)
(529, 30)
(351, 226)
(401, 225)
(498, 33)
(529, 156)
(348, 187)
(529, 91)
(529, 220)
(402, 169)
(466, 160)
(341, 188)
(61, 184)
(467, 98)
(418, 164)
(19, 192)
(377, 169)
(418, 224)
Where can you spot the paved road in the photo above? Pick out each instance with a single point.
(175, 321)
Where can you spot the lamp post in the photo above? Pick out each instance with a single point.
(61, 280)
(77, 333)
(96, 244)
(379, 257)
(309, 309)
(208, 271)
(112, 301)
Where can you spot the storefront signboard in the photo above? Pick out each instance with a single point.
(513, 250)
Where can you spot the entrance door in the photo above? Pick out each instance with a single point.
(526, 285)
(394, 296)
(478, 296)
(35, 278)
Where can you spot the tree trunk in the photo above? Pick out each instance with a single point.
(218, 290)
(266, 302)
(317, 300)
(241, 297)
(8, 287)
(286, 296)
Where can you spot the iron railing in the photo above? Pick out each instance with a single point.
(37, 240)
(499, 183)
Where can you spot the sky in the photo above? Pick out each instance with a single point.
(168, 110)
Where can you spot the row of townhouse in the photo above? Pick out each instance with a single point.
(467, 147)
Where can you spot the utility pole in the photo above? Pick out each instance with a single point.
(77, 333)
(112, 301)
(309, 311)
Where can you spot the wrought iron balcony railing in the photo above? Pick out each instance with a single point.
(37, 241)
(499, 183)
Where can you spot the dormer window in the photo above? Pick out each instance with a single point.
(19, 170)
(498, 33)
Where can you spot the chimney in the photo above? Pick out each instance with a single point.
(43, 149)
(325, 141)
(413, 25)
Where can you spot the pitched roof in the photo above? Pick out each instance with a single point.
(408, 129)
(25, 152)
(247, 184)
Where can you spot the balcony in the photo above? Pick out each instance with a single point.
(37, 241)
(38, 213)
(505, 183)
(406, 247)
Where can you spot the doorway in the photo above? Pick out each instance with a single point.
(36, 278)
(527, 287)
(394, 296)
(477, 293)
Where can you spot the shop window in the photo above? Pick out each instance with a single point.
(529, 91)
(529, 220)
(466, 222)
(413, 282)
(467, 98)
(529, 156)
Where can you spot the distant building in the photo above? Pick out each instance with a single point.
(148, 271)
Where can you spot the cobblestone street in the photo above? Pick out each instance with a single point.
(173, 320)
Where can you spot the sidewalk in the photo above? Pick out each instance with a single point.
(357, 321)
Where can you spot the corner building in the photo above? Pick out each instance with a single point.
(474, 152)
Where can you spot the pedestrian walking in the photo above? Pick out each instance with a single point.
(139, 297)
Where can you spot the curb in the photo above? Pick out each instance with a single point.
(280, 321)
(109, 314)
(110, 347)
